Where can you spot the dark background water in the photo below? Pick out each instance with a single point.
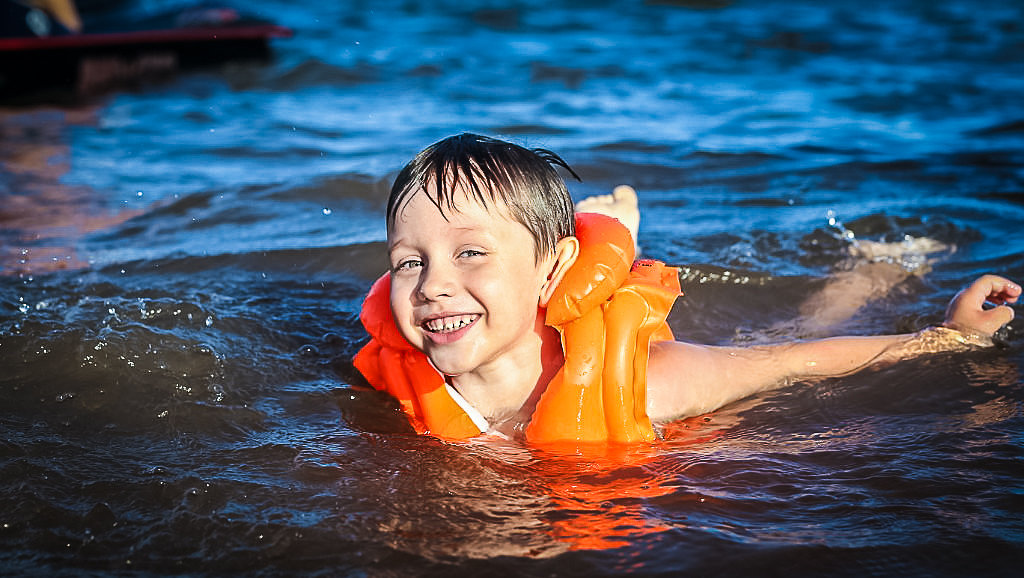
(184, 262)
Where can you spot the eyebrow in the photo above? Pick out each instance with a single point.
(467, 229)
(392, 247)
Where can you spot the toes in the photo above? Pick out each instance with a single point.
(624, 193)
(596, 200)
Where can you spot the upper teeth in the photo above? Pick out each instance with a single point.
(449, 323)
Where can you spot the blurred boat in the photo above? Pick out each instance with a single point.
(50, 53)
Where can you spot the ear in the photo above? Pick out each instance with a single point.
(566, 252)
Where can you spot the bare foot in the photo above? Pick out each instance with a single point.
(876, 251)
(621, 204)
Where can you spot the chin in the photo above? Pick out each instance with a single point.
(448, 366)
(448, 369)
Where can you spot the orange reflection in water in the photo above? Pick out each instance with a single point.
(41, 218)
(599, 491)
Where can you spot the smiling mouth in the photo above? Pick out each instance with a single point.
(450, 324)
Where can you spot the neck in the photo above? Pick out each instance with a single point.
(507, 391)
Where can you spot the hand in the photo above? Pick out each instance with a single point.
(967, 314)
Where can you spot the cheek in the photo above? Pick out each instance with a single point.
(401, 306)
(518, 290)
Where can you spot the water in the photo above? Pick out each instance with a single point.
(183, 265)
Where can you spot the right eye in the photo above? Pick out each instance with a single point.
(408, 264)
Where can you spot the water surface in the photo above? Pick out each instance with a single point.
(183, 265)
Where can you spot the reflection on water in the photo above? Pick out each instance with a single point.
(183, 265)
(43, 218)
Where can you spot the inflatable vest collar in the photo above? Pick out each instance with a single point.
(607, 309)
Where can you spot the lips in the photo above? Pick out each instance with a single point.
(448, 328)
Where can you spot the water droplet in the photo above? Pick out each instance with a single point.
(218, 392)
(327, 211)
(209, 320)
(203, 349)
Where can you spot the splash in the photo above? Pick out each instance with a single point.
(910, 253)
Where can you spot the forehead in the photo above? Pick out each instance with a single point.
(458, 205)
(421, 212)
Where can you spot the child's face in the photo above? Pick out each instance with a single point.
(465, 290)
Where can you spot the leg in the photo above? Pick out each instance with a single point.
(877, 268)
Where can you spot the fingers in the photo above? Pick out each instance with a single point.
(999, 316)
(994, 289)
(967, 311)
(1011, 291)
(980, 322)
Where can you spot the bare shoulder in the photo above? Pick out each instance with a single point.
(668, 367)
(686, 379)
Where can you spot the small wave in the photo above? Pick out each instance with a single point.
(1004, 128)
(363, 261)
(572, 78)
(634, 146)
(316, 72)
(528, 129)
(331, 190)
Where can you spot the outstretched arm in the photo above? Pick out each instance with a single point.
(688, 379)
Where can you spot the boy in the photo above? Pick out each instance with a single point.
(480, 236)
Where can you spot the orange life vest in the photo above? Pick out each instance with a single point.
(607, 310)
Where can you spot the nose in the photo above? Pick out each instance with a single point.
(436, 281)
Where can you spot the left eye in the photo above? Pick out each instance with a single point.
(471, 253)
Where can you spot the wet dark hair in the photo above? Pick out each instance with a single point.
(492, 171)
